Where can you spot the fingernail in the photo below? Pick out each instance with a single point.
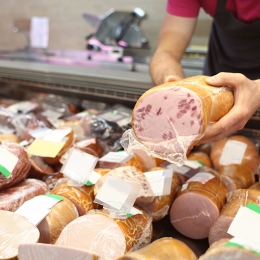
(211, 78)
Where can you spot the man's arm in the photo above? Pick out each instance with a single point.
(175, 35)
(247, 101)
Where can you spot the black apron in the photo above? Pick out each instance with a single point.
(233, 45)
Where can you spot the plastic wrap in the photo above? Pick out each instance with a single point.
(235, 200)
(198, 204)
(60, 216)
(81, 196)
(222, 153)
(160, 206)
(237, 176)
(130, 173)
(24, 123)
(12, 198)
(6, 125)
(219, 251)
(21, 169)
(168, 120)
(15, 230)
(106, 236)
(52, 179)
(41, 251)
(162, 249)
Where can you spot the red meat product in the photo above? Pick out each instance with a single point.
(220, 251)
(107, 236)
(12, 198)
(165, 248)
(130, 173)
(198, 205)
(21, 169)
(160, 206)
(237, 176)
(246, 152)
(235, 200)
(41, 251)
(170, 118)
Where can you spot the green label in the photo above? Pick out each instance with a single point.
(129, 215)
(54, 196)
(89, 183)
(232, 244)
(253, 207)
(5, 172)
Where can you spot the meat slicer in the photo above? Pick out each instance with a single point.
(117, 34)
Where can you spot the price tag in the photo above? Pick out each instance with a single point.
(22, 107)
(160, 181)
(79, 166)
(201, 177)
(37, 208)
(233, 152)
(7, 162)
(116, 157)
(40, 133)
(57, 135)
(118, 194)
(93, 178)
(39, 33)
(246, 225)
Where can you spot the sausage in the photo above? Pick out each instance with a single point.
(198, 205)
(169, 119)
(12, 198)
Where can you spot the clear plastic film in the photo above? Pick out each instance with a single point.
(108, 237)
(222, 249)
(235, 200)
(15, 230)
(12, 198)
(169, 119)
(41, 251)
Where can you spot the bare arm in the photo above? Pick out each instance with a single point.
(174, 37)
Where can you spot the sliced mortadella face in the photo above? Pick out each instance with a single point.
(95, 232)
(166, 114)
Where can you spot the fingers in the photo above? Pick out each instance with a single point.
(227, 79)
(171, 78)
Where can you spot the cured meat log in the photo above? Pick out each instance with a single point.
(107, 236)
(222, 153)
(12, 198)
(162, 249)
(160, 206)
(219, 250)
(15, 230)
(255, 186)
(81, 196)
(41, 251)
(169, 119)
(237, 176)
(21, 169)
(198, 204)
(201, 157)
(60, 216)
(130, 173)
(235, 200)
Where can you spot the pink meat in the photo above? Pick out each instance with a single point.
(157, 118)
(219, 229)
(41, 251)
(193, 215)
(12, 198)
(21, 170)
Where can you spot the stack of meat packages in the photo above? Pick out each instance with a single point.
(200, 198)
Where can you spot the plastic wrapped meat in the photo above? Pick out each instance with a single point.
(198, 204)
(41, 251)
(21, 169)
(168, 120)
(235, 200)
(165, 248)
(12, 198)
(107, 236)
(15, 230)
(220, 251)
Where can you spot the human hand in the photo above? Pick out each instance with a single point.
(247, 101)
(171, 78)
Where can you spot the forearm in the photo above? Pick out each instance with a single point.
(162, 65)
